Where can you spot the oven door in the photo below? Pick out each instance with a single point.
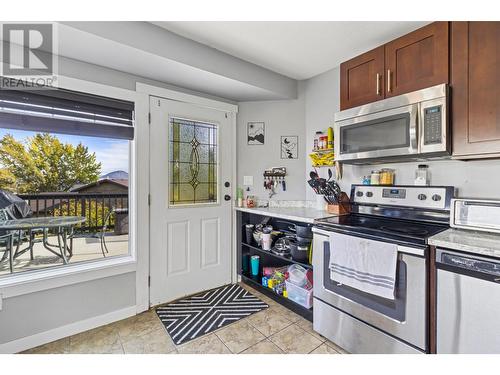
(405, 317)
(389, 133)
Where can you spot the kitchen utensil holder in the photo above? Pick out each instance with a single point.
(343, 207)
(339, 209)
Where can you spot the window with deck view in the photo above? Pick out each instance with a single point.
(64, 181)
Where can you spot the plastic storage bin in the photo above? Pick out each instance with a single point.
(299, 295)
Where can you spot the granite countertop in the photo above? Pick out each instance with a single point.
(301, 214)
(480, 243)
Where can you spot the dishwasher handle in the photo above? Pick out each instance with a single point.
(479, 267)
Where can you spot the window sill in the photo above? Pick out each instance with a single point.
(39, 280)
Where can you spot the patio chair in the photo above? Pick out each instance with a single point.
(102, 234)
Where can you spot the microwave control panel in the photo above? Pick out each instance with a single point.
(433, 123)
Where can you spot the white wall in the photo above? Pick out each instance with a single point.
(322, 100)
(478, 179)
(281, 117)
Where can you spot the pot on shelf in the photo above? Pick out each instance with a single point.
(300, 252)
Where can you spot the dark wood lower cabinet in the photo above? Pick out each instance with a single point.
(475, 84)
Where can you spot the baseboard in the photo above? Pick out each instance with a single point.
(41, 338)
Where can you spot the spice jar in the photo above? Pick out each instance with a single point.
(250, 201)
(324, 142)
(375, 178)
(422, 175)
(317, 137)
(387, 176)
(318, 140)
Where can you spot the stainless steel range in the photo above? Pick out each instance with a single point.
(401, 217)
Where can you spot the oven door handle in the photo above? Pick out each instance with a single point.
(418, 251)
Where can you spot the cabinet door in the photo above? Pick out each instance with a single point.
(475, 84)
(417, 60)
(361, 79)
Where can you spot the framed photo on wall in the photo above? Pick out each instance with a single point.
(289, 147)
(255, 133)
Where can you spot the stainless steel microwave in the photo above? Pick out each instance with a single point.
(476, 214)
(405, 127)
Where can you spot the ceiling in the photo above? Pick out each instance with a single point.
(299, 50)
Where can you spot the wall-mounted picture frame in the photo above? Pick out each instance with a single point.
(256, 133)
(289, 146)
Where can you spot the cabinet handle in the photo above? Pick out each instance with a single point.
(378, 84)
(388, 80)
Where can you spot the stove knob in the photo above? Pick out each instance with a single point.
(422, 197)
(436, 197)
(369, 194)
(359, 193)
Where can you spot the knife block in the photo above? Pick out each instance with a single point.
(341, 208)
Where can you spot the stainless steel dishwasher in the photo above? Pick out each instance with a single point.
(468, 303)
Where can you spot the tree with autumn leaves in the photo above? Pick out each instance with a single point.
(43, 163)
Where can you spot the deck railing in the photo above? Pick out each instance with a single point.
(93, 206)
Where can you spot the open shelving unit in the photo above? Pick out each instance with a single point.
(267, 259)
(269, 253)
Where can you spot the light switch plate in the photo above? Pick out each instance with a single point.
(248, 180)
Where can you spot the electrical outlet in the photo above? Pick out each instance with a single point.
(248, 180)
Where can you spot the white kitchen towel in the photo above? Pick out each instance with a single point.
(367, 265)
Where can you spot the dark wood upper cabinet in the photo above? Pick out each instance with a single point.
(362, 79)
(417, 60)
(475, 85)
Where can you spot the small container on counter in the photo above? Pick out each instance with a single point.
(250, 201)
(320, 202)
(330, 138)
(375, 178)
(387, 176)
(317, 140)
(366, 180)
(422, 175)
(239, 197)
(324, 142)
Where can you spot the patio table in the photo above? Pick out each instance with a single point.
(63, 225)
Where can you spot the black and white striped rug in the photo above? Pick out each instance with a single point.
(195, 316)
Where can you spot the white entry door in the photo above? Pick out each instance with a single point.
(191, 163)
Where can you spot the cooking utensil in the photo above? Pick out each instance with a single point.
(300, 253)
(301, 230)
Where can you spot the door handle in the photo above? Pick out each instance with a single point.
(227, 197)
(388, 80)
(378, 84)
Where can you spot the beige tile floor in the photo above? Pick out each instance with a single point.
(275, 330)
